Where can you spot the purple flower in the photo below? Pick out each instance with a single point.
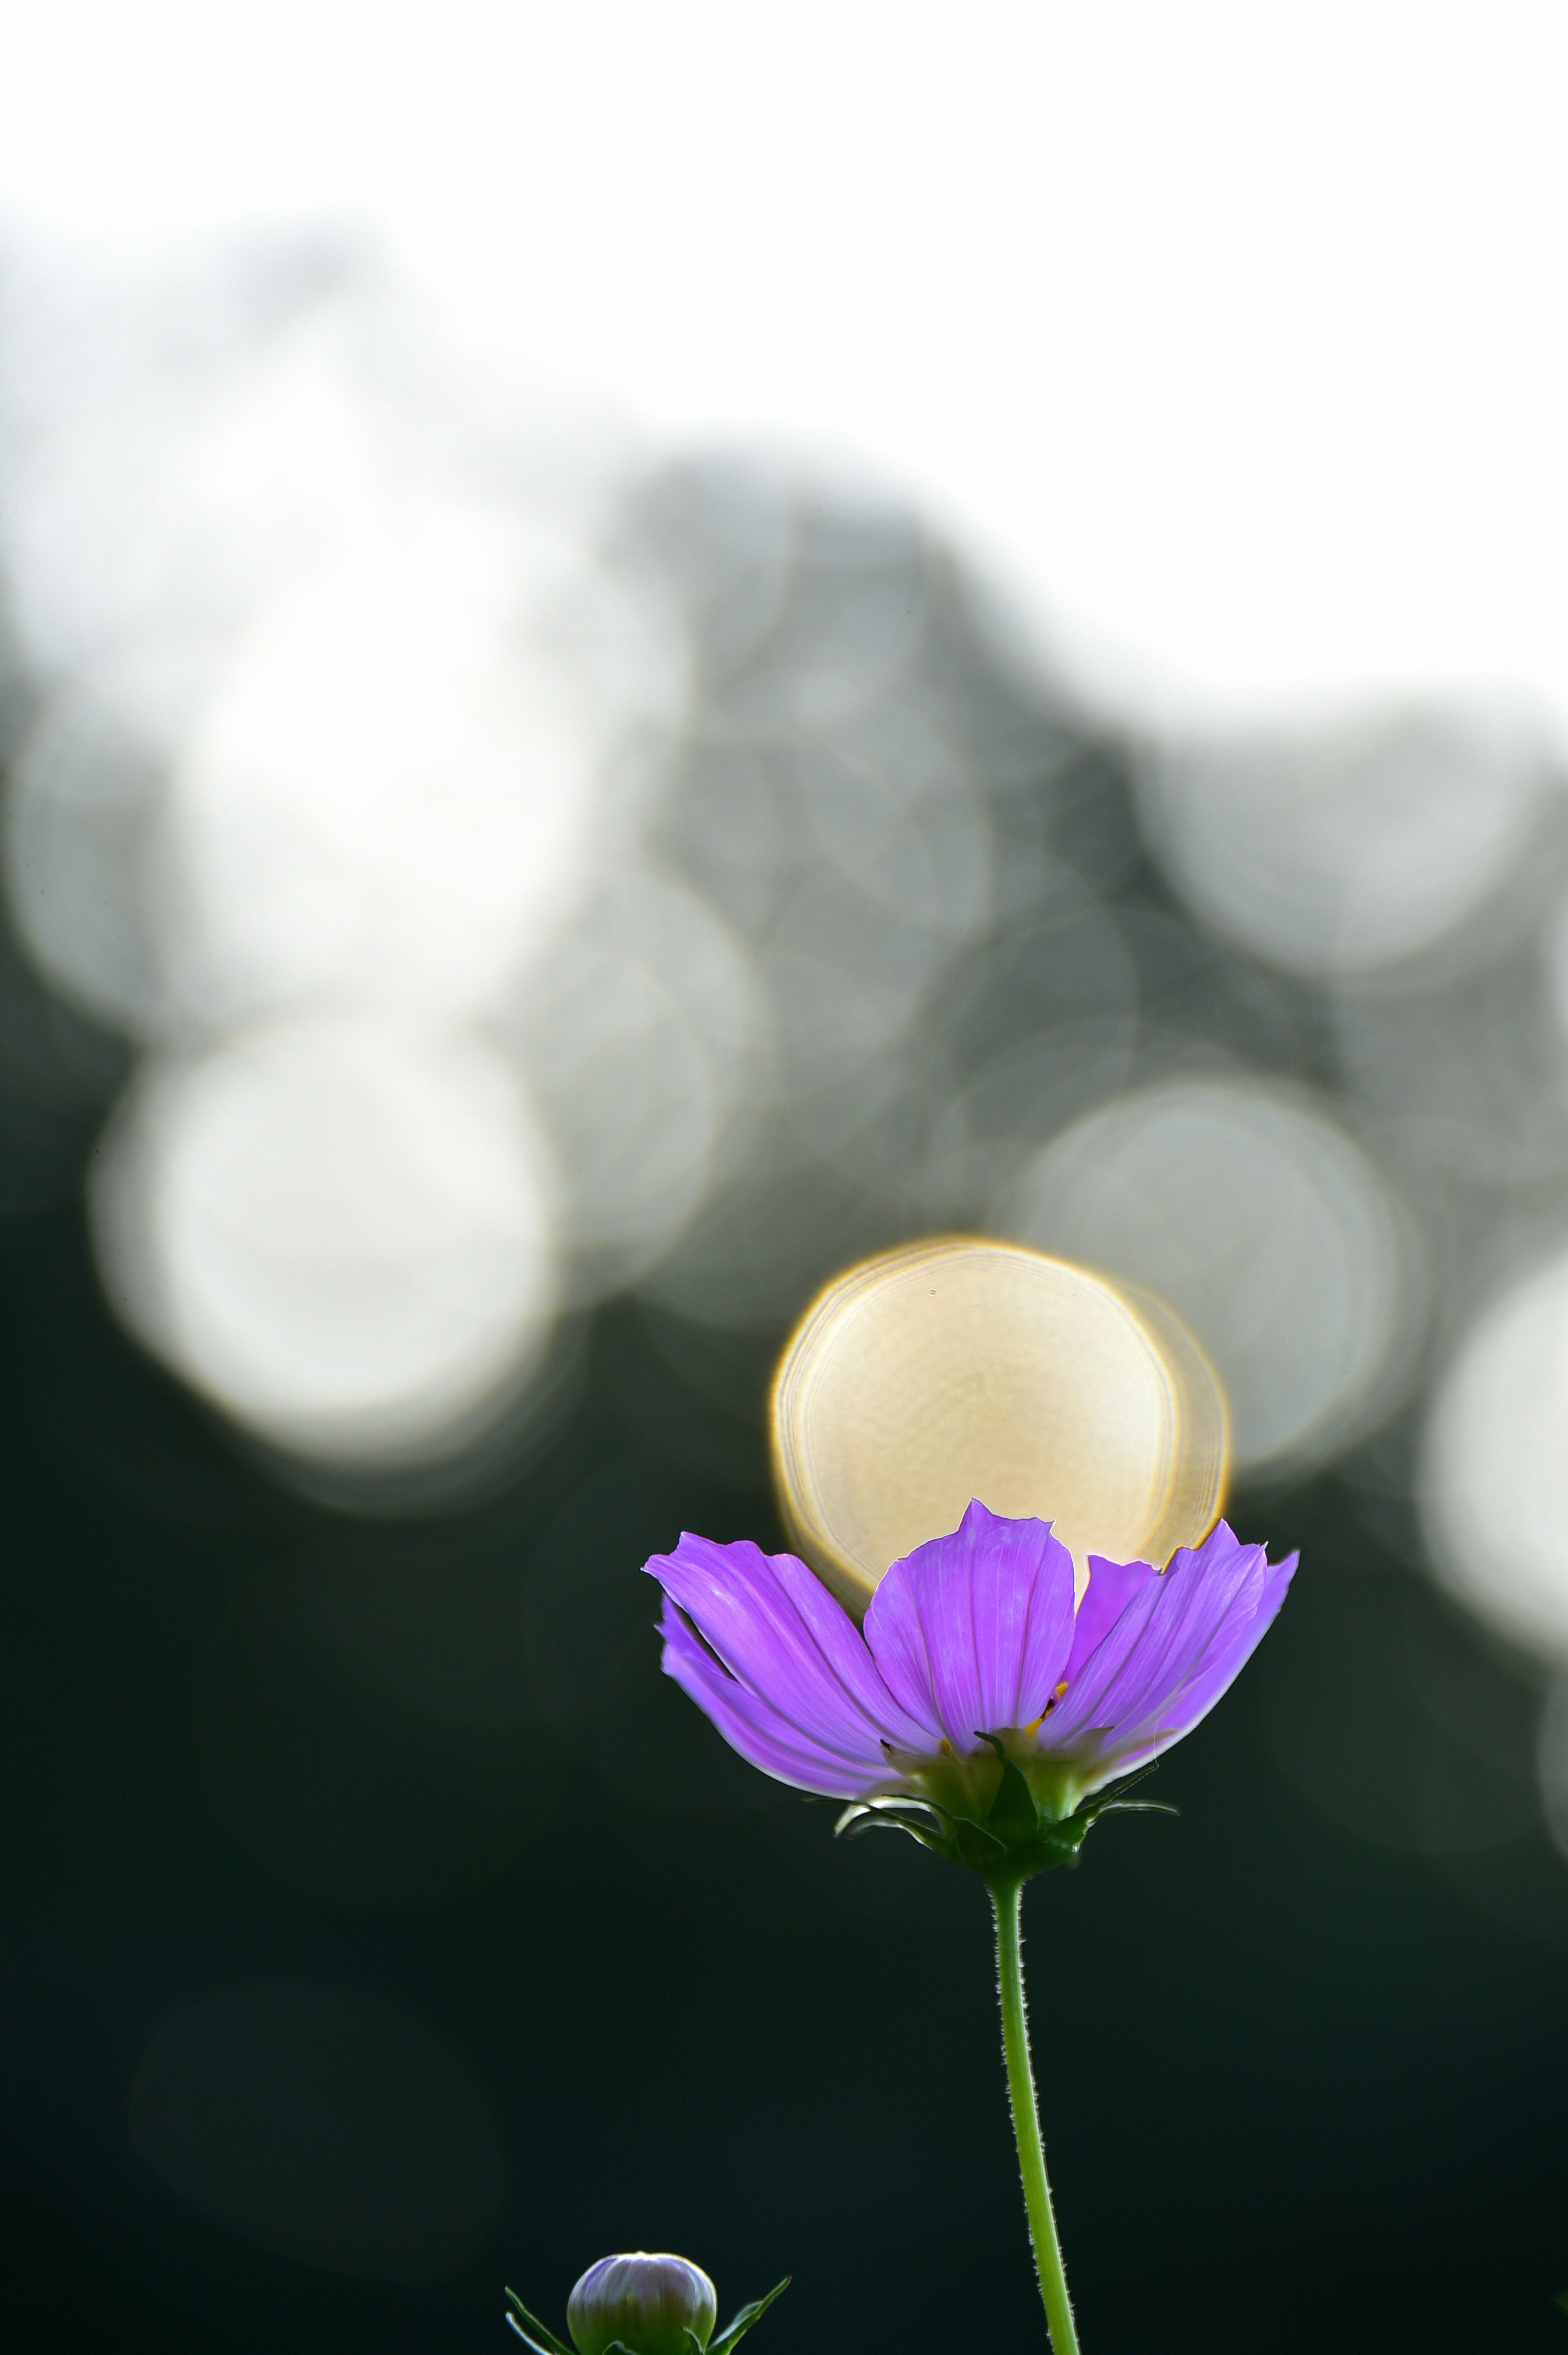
(978, 1690)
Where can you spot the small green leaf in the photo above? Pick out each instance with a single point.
(744, 2319)
(542, 2341)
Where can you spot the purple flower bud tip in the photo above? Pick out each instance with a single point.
(651, 2305)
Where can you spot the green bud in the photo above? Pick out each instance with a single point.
(649, 2304)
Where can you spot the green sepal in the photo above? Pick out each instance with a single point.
(977, 1846)
(545, 2342)
(923, 1819)
(736, 2329)
(1013, 1816)
(1116, 1803)
(891, 1814)
(1020, 1836)
(1053, 1844)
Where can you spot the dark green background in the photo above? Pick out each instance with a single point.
(1302, 2088)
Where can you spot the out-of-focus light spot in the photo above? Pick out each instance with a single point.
(340, 1231)
(1038, 1031)
(174, 450)
(960, 1368)
(1556, 949)
(324, 2125)
(1338, 853)
(1495, 1471)
(1261, 1225)
(842, 653)
(640, 1036)
(1458, 1061)
(341, 693)
(344, 702)
(389, 798)
(1028, 1092)
(712, 808)
(761, 1244)
(81, 864)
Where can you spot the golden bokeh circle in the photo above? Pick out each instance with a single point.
(960, 1367)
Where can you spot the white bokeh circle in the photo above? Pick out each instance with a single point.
(1338, 851)
(1494, 1483)
(341, 1233)
(385, 801)
(1261, 1223)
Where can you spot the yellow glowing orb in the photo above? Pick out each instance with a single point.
(959, 1367)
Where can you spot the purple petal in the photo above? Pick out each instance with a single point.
(1159, 1638)
(780, 1666)
(754, 1728)
(1176, 1645)
(1112, 1585)
(1212, 1682)
(972, 1632)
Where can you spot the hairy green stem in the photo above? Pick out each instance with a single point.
(1006, 1899)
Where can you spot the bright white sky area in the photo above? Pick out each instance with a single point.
(1232, 336)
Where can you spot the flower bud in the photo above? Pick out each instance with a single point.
(649, 2304)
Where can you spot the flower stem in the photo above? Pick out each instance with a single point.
(1006, 1899)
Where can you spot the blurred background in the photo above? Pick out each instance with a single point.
(641, 652)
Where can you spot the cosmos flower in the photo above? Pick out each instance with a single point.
(979, 1710)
